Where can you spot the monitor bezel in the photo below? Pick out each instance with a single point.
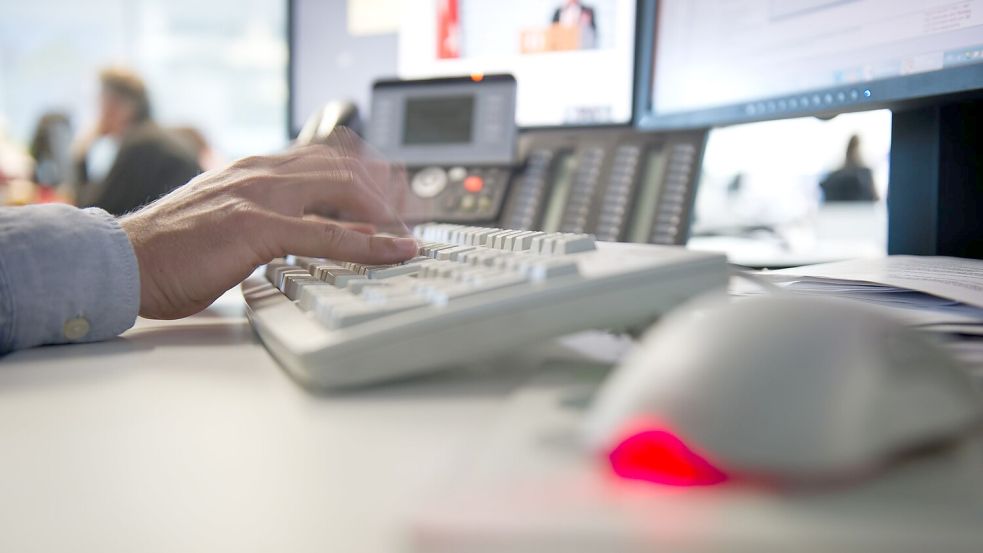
(293, 126)
(909, 91)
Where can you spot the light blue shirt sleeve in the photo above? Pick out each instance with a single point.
(66, 275)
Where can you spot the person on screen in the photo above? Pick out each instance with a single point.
(572, 13)
(129, 161)
(853, 182)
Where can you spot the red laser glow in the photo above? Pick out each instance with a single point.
(657, 455)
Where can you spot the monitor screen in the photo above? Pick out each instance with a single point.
(733, 60)
(573, 60)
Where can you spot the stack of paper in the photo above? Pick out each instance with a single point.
(938, 294)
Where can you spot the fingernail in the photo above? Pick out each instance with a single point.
(407, 245)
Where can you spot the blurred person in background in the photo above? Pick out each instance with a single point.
(194, 141)
(51, 148)
(853, 182)
(128, 161)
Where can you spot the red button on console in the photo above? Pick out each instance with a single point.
(474, 184)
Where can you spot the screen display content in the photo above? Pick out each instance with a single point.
(439, 120)
(766, 58)
(573, 60)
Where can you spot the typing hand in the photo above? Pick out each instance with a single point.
(205, 237)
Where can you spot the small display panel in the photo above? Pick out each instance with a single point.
(438, 120)
(444, 122)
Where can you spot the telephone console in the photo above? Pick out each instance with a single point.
(618, 184)
(457, 139)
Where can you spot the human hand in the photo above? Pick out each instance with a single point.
(205, 237)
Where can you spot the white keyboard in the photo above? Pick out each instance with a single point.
(471, 294)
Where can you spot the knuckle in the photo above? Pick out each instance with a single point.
(243, 214)
(248, 161)
(358, 165)
(348, 161)
(253, 180)
(344, 176)
(333, 235)
(351, 177)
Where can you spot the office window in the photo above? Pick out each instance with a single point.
(216, 65)
(761, 195)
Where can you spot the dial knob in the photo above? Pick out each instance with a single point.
(429, 182)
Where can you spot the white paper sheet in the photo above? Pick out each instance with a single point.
(945, 277)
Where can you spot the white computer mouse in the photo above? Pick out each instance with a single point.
(779, 388)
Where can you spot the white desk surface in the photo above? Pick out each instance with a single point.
(187, 436)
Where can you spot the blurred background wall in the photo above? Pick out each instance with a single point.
(217, 65)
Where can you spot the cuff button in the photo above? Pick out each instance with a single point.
(76, 329)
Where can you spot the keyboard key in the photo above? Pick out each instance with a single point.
(358, 285)
(431, 251)
(306, 262)
(318, 270)
(391, 271)
(552, 268)
(541, 243)
(272, 267)
(524, 242)
(282, 273)
(310, 295)
(451, 254)
(574, 244)
(443, 294)
(339, 277)
(355, 313)
(502, 240)
(481, 236)
(383, 294)
(293, 282)
(442, 269)
(324, 304)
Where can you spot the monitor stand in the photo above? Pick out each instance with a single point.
(935, 199)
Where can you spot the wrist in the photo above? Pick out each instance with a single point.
(133, 228)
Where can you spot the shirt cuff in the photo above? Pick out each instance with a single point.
(68, 275)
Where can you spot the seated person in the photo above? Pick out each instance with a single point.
(851, 183)
(51, 150)
(149, 162)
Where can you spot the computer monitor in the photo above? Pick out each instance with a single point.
(336, 52)
(573, 60)
(708, 63)
(718, 61)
